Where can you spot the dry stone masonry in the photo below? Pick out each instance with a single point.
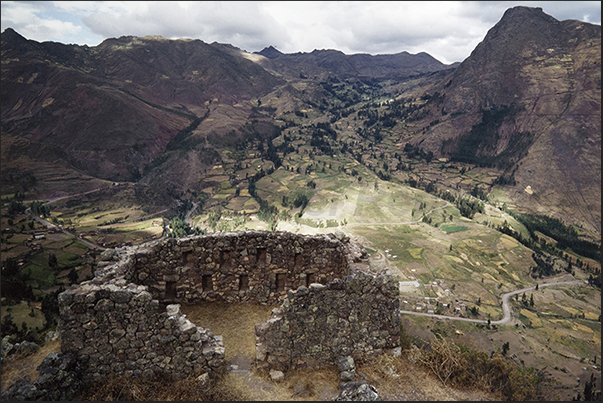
(257, 266)
(127, 319)
(355, 316)
(119, 328)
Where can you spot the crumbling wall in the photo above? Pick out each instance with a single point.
(259, 266)
(315, 326)
(114, 322)
(119, 328)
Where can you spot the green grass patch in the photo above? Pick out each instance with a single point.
(32, 317)
(42, 275)
(451, 228)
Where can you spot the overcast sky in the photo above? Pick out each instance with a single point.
(447, 30)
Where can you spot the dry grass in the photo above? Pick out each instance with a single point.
(234, 322)
(401, 379)
(299, 385)
(302, 385)
(122, 388)
(25, 367)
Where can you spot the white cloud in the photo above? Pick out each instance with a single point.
(448, 30)
(23, 17)
(243, 24)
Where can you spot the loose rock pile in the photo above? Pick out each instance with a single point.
(352, 388)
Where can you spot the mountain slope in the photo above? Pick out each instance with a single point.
(528, 100)
(114, 108)
(321, 63)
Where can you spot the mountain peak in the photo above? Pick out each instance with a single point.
(523, 13)
(270, 52)
(12, 35)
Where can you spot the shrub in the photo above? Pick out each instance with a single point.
(462, 367)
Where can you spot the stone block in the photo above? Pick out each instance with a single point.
(277, 376)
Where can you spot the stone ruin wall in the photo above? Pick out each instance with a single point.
(355, 316)
(113, 326)
(117, 323)
(257, 266)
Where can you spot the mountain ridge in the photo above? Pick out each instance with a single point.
(549, 86)
(526, 102)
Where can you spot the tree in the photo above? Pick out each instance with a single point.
(505, 349)
(73, 276)
(532, 300)
(52, 261)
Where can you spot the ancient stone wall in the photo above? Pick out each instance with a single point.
(257, 266)
(119, 328)
(354, 316)
(114, 322)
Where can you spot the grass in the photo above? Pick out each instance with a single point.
(452, 228)
(25, 367)
(21, 313)
(220, 317)
(461, 253)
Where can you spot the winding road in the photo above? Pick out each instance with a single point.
(505, 304)
(51, 225)
(63, 230)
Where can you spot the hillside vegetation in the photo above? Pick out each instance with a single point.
(464, 188)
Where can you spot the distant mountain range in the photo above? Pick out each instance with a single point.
(527, 101)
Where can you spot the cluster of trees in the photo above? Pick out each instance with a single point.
(38, 208)
(590, 393)
(321, 133)
(527, 303)
(180, 228)
(416, 152)
(566, 236)
(178, 142)
(469, 206)
(15, 207)
(545, 266)
(477, 147)
(15, 283)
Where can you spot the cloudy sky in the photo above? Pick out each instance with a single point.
(447, 30)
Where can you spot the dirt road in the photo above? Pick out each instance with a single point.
(505, 305)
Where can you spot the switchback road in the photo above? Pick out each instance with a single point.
(505, 304)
